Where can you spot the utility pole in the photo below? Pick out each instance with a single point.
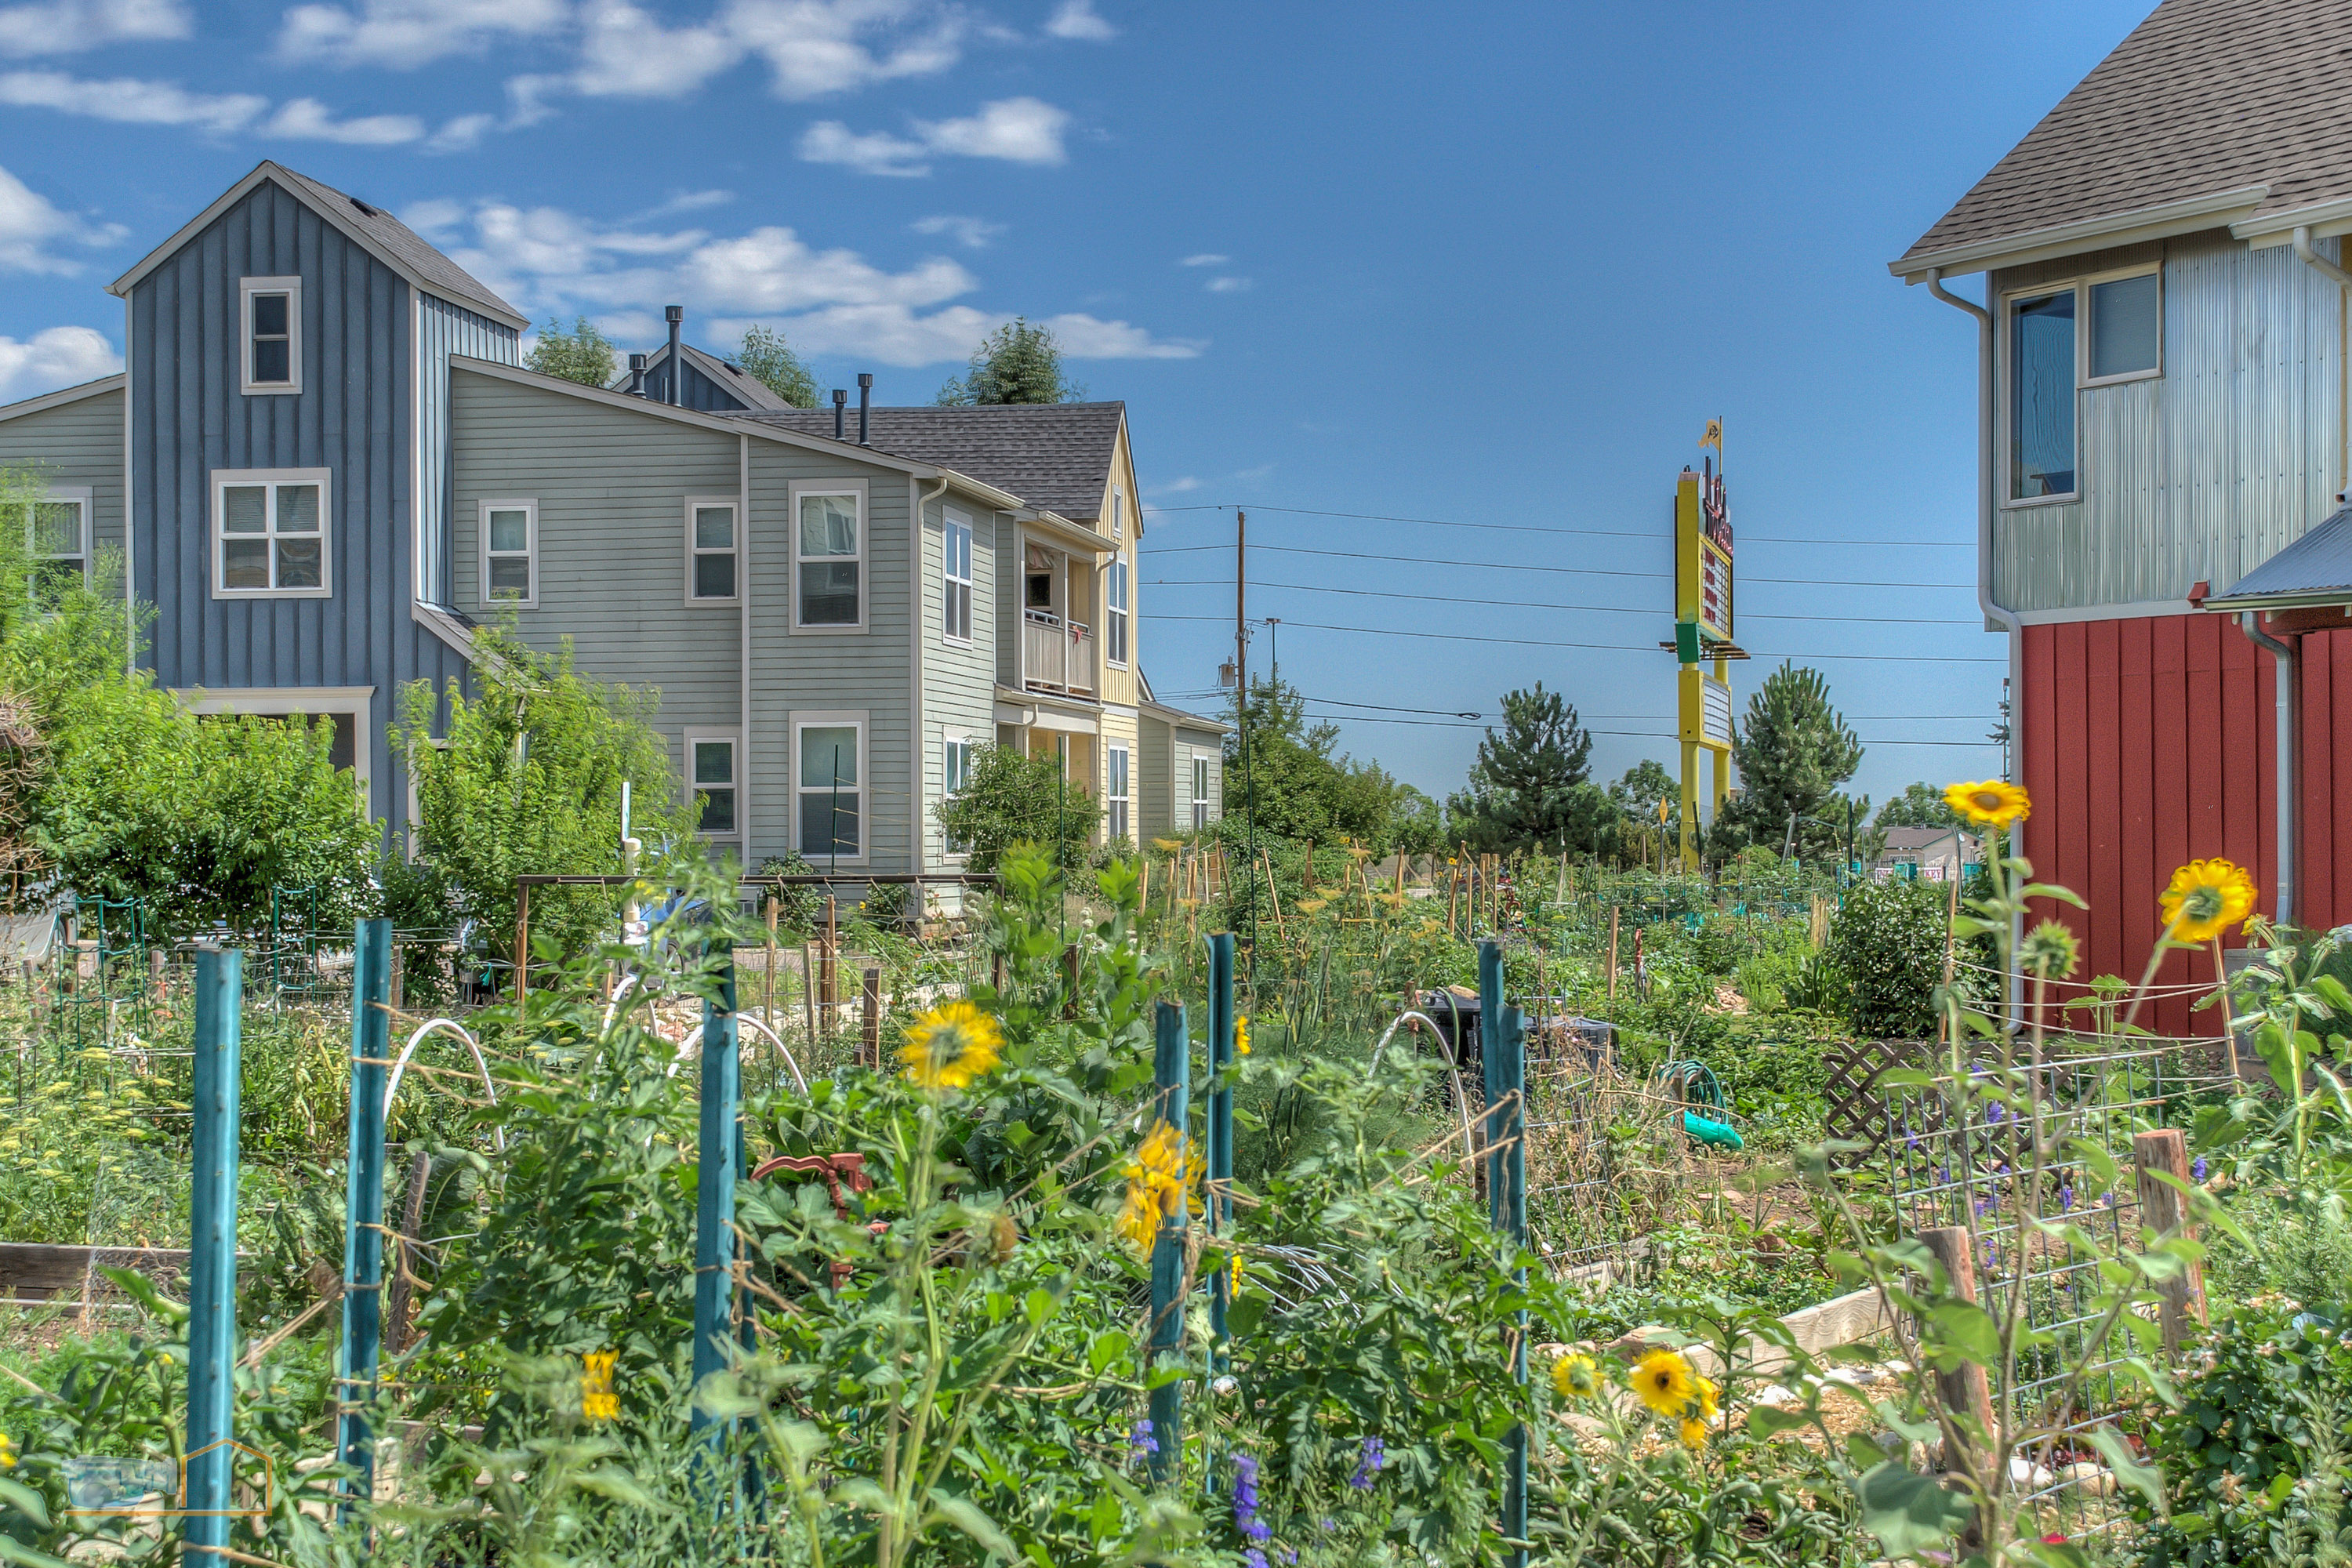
(1241, 677)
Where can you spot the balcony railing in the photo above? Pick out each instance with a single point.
(1056, 655)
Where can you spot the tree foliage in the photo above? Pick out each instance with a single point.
(582, 354)
(1298, 785)
(1015, 798)
(1887, 939)
(1793, 750)
(528, 781)
(1919, 806)
(771, 361)
(1016, 363)
(1530, 784)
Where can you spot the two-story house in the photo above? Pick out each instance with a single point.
(2162, 361)
(326, 468)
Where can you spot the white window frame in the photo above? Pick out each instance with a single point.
(1197, 804)
(2005, 433)
(482, 522)
(694, 550)
(1119, 792)
(246, 288)
(1118, 514)
(85, 500)
(222, 479)
(949, 740)
(829, 719)
(950, 522)
(734, 745)
(1119, 613)
(2086, 326)
(314, 701)
(854, 487)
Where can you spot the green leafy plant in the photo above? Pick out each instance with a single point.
(1887, 940)
(1013, 798)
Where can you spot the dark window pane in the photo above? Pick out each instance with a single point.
(269, 315)
(299, 564)
(245, 563)
(343, 751)
(2123, 326)
(828, 824)
(56, 527)
(1041, 592)
(245, 508)
(511, 531)
(2041, 396)
(714, 528)
(828, 756)
(718, 810)
(714, 578)
(829, 593)
(510, 577)
(273, 361)
(714, 762)
(298, 509)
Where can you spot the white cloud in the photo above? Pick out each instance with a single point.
(972, 233)
(1019, 130)
(62, 26)
(1177, 487)
(54, 357)
(1229, 285)
(817, 47)
(307, 119)
(30, 226)
(403, 34)
(1077, 19)
(825, 300)
(459, 134)
(131, 101)
(1205, 260)
(625, 53)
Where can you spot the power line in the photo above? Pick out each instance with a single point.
(1620, 648)
(1573, 571)
(1392, 708)
(1636, 734)
(1532, 604)
(1537, 527)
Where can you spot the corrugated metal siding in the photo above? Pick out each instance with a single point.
(354, 417)
(958, 678)
(77, 443)
(2147, 742)
(442, 329)
(2206, 471)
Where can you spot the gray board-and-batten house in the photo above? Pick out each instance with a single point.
(326, 468)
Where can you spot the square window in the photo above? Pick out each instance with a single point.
(2126, 326)
(270, 532)
(245, 508)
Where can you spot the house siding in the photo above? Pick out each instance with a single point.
(74, 443)
(1155, 792)
(2204, 472)
(697, 391)
(959, 677)
(442, 329)
(355, 418)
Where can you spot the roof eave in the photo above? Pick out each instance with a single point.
(2305, 599)
(63, 395)
(2219, 209)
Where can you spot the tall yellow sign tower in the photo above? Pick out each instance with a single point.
(1703, 632)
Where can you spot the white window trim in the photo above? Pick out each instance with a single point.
(246, 288)
(222, 478)
(950, 519)
(1126, 612)
(734, 744)
(835, 717)
(482, 527)
(1194, 773)
(734, 505)
(316, 702)
(2005, 415)
(2083, 308)
(857, 487)
(86, 499)
(953, 735)
(1118, 513)
(1126, 797)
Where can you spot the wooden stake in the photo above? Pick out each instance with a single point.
(768, 1002)
(1453, 890)
(1964, 1392)
(808, 992)
(1612, 954)
(829, 961)
(2163, 1208)
(1273, 896)
(523, 938)
(870, 1018)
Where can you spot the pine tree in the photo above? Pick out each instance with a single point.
(1016, 363)
(772, 361)
(1531, 783)
(1793, 750)
(582, 354)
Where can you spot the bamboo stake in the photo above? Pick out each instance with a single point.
(1273, 896)
(768, 1001)
(808, 993)
(1613, 955)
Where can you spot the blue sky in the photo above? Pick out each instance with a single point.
(1488, 265)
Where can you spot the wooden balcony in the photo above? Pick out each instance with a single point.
(1057, 654)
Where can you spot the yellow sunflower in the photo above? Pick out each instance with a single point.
(1996, 802)
(597, 1400)
(2206, 897)
(1664, 1381)
(7, 1453)
(950, 1045)
(1241, 1034)
(1692, 1432)
(1707, 1391)
(1157, 1176)
(1575, 1377)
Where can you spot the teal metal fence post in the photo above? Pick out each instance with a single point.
(1171, 1062)
(720, 1155)
(1502, 1052)
(364, 1200)
(1220, 1204)
(212, 1248)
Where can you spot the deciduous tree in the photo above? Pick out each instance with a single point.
(772, 361)
(1016, 363)
(582, 354)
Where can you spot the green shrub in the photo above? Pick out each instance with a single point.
(1887, 940)
(1015, 798)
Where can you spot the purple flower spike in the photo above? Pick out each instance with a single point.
(1255, 1559)
(1245, 1518)
(2065, 1200)
(1993, 1113)
(2197, 1168)
(1141, 1440)
(1375, 1457)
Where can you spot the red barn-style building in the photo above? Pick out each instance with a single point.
(2163, 357)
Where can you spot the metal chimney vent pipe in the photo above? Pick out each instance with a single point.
(864, 397)
(636, 375)
(674, 315)
(840, 410)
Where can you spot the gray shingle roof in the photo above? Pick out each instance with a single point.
(2204, 97)
(2316, 565)
(1054, 455)
(409, 248)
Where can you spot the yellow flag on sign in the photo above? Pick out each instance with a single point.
(1714, 437)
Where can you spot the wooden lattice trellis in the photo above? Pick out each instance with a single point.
(1857, 1111)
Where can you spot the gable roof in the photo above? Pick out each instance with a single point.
(63, 395)
(1055, 457)
(371, 228)
(740, 383)
(2211, 112)
(2314, 570)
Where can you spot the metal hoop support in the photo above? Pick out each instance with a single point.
(481, 1064)
(693, 1042)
